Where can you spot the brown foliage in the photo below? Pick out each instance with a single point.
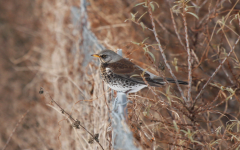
(41, 47)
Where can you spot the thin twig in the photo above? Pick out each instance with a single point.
(164, 28)
(145, 27)
(207, 17)
(225, 71)
(13, 131)
(76, 123)
(234, 75)
(175, 28)
(179, 38)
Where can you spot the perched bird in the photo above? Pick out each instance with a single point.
(122, 75)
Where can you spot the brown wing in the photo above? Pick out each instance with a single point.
(127, 69)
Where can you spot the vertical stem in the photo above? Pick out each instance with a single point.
(188, 52)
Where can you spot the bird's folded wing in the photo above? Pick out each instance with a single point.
(127, 69)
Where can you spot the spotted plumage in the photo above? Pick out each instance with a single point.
(122, 75)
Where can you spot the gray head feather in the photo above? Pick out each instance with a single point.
(108, 56)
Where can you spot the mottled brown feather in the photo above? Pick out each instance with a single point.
(127, 69)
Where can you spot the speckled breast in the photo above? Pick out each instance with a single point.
(115, 81)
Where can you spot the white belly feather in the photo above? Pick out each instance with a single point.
(131, 89)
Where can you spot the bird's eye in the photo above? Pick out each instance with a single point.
(104, 56)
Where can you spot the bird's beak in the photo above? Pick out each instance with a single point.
(95, 55)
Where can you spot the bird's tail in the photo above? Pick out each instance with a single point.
(159, 81)
(179, 81)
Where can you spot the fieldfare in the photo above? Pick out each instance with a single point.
(122, 75)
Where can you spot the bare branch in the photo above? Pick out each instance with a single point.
(189, 54)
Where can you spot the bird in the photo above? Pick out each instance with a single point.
(124, 76)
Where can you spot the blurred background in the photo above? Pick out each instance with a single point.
(48, 44)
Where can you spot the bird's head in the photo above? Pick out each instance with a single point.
(107, 56)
